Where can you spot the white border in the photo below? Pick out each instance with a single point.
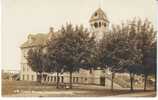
(66, 98)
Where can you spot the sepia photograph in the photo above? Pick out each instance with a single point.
(79, 48)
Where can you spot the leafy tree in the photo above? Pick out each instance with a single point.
(73, 49)
(134, 69)
(154, 61)
(117, 51)
(128, 47)
(150, 60)
(145, 35)
(35, 60)
(53, 55)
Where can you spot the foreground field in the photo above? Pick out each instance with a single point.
(29, 89)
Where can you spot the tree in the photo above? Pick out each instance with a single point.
(154, 61)
(145, 36)
(35, 60)
(141, 36)
(54, 54)
(134, 69)
(73, 49)
(150, 60)
(117, 51)
(128, 47)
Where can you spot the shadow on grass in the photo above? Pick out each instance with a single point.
(9, 87)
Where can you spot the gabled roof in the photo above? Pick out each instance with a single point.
(98, 15)
(35, 40)
(39, 39)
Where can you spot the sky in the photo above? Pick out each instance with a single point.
(22, 17)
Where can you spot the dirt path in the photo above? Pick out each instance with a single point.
(84, 93)
(140, 94)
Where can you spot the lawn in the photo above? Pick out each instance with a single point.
(8, 88)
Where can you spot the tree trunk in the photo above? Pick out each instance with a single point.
(70, 79)
(145, 81)
(112, 80)
(155, 87)
(57, 85)
(131, 80)
(40, 78)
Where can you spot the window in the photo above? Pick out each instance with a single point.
(95, 14)
(96, 25)
(90, 72)
(81, 78)
(23, 68)
(62, 79)
(58, 78)
(32, 77)
(30, 39)
(45, 77)
(54, 79)
(48, 78)
(27, 77)
(77, 79)
(25, 53)
(27, 68)
(85, 79)
(99, 24)
(23, 78)
(104, 24)
(73, 79)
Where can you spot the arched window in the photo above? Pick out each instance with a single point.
(59, 79)
(99, 24)
(104, 24)
(85, 79)
(96, 25)
(51, 78)
(48, 78)
(62, 79)
(95, 14)
(77, 79)
(54, 79)
(73, 79)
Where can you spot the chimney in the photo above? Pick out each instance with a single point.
(51, 29)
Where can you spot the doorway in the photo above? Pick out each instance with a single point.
(102, 81)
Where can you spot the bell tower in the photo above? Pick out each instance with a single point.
(99, 23)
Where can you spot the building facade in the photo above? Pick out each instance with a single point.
(99, 24)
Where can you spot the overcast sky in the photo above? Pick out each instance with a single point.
(21, 17)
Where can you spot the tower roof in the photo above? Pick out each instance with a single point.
(98, 15)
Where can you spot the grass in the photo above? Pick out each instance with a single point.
(8, 88)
